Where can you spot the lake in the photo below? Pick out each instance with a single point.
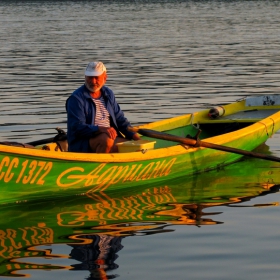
(164, 58)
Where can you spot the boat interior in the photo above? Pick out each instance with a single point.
(206, 128)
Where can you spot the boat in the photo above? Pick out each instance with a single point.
(29, 173)
(31, 231)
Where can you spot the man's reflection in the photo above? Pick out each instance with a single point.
(98, 257)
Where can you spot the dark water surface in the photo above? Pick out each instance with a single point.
(164, 58)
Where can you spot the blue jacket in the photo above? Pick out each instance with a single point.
(81, 114)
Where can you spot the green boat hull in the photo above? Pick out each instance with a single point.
(29, 178)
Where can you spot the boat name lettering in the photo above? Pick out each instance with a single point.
(104, 178)
(29, 171)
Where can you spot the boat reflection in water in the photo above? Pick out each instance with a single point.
(93, 225)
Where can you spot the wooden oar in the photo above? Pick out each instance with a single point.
(199, 143)
(59, 137)
(41, 142)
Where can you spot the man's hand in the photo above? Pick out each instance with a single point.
(136, 136)
(110, 131)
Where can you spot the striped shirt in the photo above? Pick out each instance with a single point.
(102, 117)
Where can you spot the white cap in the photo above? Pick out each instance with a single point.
(95, 69)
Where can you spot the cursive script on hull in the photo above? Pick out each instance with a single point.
(103, 177)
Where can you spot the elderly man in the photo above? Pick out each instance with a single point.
(95, 122)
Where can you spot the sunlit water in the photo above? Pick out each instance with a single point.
(164, 58)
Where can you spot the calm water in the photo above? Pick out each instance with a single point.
(164, 58)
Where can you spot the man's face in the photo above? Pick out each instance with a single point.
(95, 83)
